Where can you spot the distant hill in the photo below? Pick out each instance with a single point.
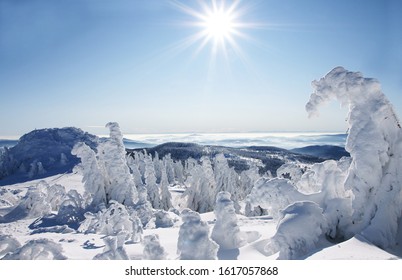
(41, 153)
(323, 151)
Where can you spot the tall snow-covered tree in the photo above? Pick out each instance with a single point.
(375, 144)
(194, 242)
(150, 183)
(226, 231)
(120, 183)
(166, 196)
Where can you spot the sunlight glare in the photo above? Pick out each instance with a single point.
(219, 25)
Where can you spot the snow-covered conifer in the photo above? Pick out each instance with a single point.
(152, 248)
(375, 145)
(120, 184)
(93, 176)
(166, 197)
(226, 232)
(151, 185)
(194, 242)
(114, 248)
(179, 172)
(143, 208)
(168, 166)
(290, 171)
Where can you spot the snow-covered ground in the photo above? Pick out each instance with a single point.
(79, 246)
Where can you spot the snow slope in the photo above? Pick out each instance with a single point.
(81, 246)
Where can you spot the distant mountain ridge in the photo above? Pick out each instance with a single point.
(270, 158)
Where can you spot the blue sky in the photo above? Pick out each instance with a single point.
(85, 63)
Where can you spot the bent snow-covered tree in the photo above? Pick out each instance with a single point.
(375, 145)
(94, 180)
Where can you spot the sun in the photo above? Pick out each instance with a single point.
(219, 25)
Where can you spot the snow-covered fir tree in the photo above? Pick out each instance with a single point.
(150, 183)
(93, 176)
(152, 248)
(226, 232)
(194, 242)
(166, 196)
(120, 183)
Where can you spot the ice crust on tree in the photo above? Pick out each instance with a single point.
(375, 145)
(194, 242)
(226, 232)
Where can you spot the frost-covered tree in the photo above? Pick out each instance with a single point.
(55, 195)
(179, 172)
(114, 248)
(150, 183)
(132, 164)
(143, 208)
(158, 166)
(36, 169)
(71, 210)
(93, 176)
(248, 178)
(375, 145)
(120, 184)
(194, 242)
(200, 190)
(113, 221)
(208, 185)
(227, 179)
(168, 165)
(226, 232)
(152, 248)
(291, 171)
(33, 205)
(164, 219)
(166, 197)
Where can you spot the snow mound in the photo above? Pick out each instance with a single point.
(8, 244)
(300, 228)
(38, 249)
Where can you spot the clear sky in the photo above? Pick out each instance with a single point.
(166, 66)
